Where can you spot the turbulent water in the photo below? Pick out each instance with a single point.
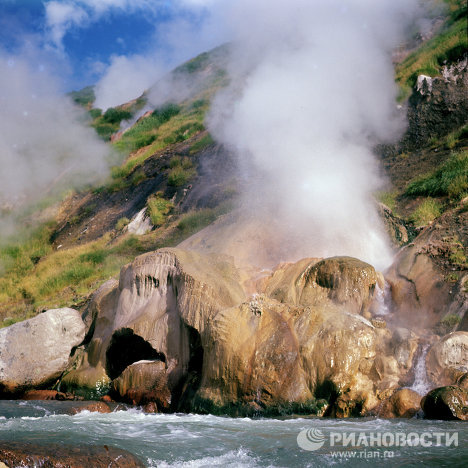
(188, 440)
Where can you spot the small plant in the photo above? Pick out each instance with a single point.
(457, 255)
(426, 212)
(158, 209)
(122, 223)
(448, 324)
(178, 176)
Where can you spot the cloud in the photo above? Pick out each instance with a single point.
(312, 93)
(126, 78)
(63, 16)
(44, 143)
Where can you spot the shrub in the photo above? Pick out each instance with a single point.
(158, 209)
(115, 116)
(426, 212)
(178, 176)
(95, 113)
(121, 223)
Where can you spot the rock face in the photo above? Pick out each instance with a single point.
(143, 382)
(439, 106)
(421, 294)
(52, 455)
(404, 403)
(177, 332)
(446, 403)
(35, 352)
(447, 359)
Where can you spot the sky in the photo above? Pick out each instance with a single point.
(83, 42)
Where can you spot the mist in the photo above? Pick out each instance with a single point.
(312, 93)
(45, 144)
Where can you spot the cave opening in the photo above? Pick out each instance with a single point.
(125, 348)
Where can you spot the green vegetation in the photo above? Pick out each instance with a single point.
(201, 144)
(121, 223)
(428, 210)
(451, 179)
(158, 209)
(448, 324)
(388, 198)
(448, 46)
(143, 133)
(84, 97)
(181, 171)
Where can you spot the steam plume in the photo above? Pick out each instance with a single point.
(312, 93)
(44, 143)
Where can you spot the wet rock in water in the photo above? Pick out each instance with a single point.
(14, 454)
(143, 382)
(447, 359)
(404, 403)
(93, 407)
(446, 403)
(35, 352)
(46, 395)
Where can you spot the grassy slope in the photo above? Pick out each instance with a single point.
(449, 44)
(35, 275)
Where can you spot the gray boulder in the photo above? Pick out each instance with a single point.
(35, 352)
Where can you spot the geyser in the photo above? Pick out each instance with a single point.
(312, 93)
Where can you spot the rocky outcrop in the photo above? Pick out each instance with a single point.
(446, 403)
(339, 280)
(404, 403)
(422, 288)
(177, 332)
(13, 453)
(35, 352)
(157, 312)
(447, 360)
(438, 106)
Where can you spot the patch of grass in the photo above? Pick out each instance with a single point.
(426, 212)
(448, 324)
(449, 46)
(201, 144)
(158, 209)
(450, 179)
(194, 221)
(388, 198)
(178, 176)
(121, 223)
(457, 255)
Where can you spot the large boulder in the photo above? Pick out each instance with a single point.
(447, 359)
(15, 453)
(404, 403)
(143, 382)
(35, 352)
(446, 403)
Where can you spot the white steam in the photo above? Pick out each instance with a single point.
(44, 142)
(312, 92)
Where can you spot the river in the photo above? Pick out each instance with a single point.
(189, 440)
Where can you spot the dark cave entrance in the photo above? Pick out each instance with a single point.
(189, 386)
(126, 348)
